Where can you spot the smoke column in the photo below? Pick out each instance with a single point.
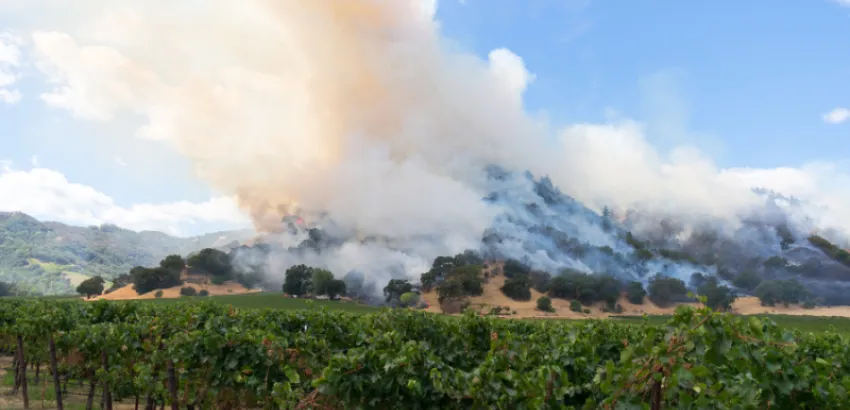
(355, 109)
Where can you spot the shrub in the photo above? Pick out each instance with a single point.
(518, 288)
(809, 304)
(586, 311)
(409, 299)
(544, 304)
(158, 294)
(204, 292)
(218, 280)
(575, 306)
(188, 291)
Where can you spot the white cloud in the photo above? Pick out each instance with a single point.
(838, 115)
(845, 3)
(48, 195)
(10, 61)
(120, 161)
(34, 160)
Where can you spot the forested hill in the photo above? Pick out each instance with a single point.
(51, 257)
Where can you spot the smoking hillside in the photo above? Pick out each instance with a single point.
(362, 119)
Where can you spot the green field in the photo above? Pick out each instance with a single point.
(273, 300)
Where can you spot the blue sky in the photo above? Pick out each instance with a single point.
(748, 83)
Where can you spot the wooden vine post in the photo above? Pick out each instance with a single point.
(172, 386)
(54, 368)
(107, 395)
(22, 372)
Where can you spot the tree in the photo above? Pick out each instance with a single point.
(91, 287)
(515, 268)
(717, 297)
(544, 304)
(449, 290)
(608, 289)
(297, 280)
(664, 290)
(335, 288)
(321, 278)
(6, 289)
(395, 288)
(428, 280)
(697, 280)
(635, 293)
(747, 280)
(469, 277)
(540, 281)
(771, 292)
(146, 280)
(213, 261)
(174, 262)
(518, 288)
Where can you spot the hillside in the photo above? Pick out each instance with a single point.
(198, 281)
(52, 258)
(492, 297)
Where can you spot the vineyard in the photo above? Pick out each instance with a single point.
(208, 355)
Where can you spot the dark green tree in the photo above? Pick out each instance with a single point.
(321, 278)
(635, 293)
(664, 290)
(298, 280)
(518, 288)
(174, 262)
(91, 287)
(395, 288)
(450, 290)
(335, 288)
(718, 297)
(747, 280)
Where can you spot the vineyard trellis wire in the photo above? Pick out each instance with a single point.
(206, 355)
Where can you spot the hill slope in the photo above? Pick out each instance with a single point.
(51, 257)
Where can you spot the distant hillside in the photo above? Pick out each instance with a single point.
(52, 258)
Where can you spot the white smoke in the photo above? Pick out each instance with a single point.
(362, 110)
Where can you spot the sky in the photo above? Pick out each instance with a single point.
(760, 90)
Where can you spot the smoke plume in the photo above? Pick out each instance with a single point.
(361, 118)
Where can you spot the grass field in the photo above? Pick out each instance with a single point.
(273, 300)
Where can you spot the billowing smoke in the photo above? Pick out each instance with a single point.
(360, 118)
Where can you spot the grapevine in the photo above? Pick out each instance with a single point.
(205, 355)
